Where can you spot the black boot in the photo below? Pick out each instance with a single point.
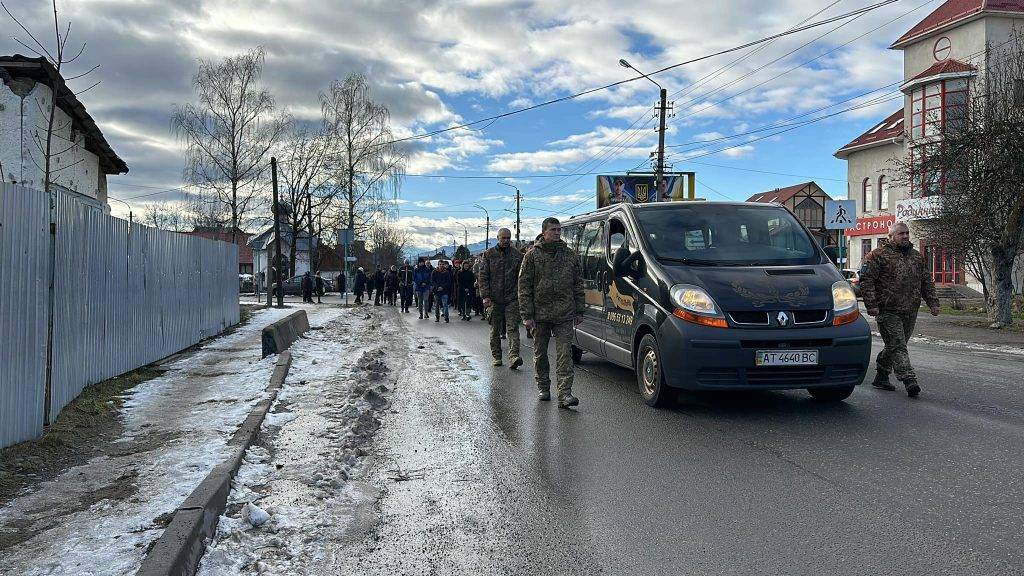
(912, 388)
(881, 382)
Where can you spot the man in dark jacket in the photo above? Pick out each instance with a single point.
(360, 285)
(499, 288)
(551, 304)
(441, 283)
(421, 279)
(307, 288)
(319, 286)
(406, 278)
(378, 286)
(893, 280)
(391, 286)
(466, 281)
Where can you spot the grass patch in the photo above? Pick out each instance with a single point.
(72, 437)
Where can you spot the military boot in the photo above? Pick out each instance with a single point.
(912, 388)
(568, 401)
(497, 362)
(881, 382)
(516, 363)
(544, 395)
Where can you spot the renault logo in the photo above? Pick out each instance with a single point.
(783, 318)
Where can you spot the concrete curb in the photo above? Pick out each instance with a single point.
(178, 550)
(281, 334)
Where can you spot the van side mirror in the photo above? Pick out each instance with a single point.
(627, 263)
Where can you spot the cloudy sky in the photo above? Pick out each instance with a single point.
(435, 64)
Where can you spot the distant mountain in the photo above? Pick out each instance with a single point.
(415, 252)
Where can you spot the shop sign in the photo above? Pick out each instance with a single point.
(925, 208)
(872, 226)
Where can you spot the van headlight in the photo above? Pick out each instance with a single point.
(695, 305)
(844, 304)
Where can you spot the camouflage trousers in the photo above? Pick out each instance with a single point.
(510, 314)
(563, 350)
(896, 329)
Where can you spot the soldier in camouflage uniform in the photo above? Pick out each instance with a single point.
(498, 285)
(551, 304)
(893, 280)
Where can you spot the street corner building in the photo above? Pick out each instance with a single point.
(942, 56)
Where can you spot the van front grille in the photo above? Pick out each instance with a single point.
(750, 318)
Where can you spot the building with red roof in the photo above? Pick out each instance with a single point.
(224, 235)
(943, 55)
(807, 202)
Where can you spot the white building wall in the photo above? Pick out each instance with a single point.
(23, 125)
(967, 40)
(873, 163)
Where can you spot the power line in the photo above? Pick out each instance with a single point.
(844, 16)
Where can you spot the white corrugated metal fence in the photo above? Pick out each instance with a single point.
(122, 299)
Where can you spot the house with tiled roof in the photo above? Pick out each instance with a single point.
(807, 202)
(943, 55)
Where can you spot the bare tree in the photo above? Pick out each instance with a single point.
(303, 182)
(229, 132)
(165, 217)
(387, 244)
(57, 57)
(972, 160)
(366, 166)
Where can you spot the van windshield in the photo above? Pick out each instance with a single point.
(727, 235)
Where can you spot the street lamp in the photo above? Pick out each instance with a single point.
(487, 232)
(518, 196)
(659, 170)
(129, 209)
(454, 247)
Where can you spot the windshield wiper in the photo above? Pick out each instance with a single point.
(690, 261)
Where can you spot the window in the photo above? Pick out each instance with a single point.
(810, 213)
(616, 236)
(925, 182)
(883, 193)
(590, 253)
(937, 107)
(570, 235)
(865, 248)
(867, 195)
(727, 235)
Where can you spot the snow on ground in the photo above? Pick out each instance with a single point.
(960, 345)
(99, 518)
(304, 469)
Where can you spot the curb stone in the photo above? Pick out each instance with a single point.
(278, 336)
(178, 550)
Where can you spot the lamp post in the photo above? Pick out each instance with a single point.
(659, 169)
(129, 210)
(487, 231)
(454, 246)
(518, 197)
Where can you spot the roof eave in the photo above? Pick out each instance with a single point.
(845, 151)
(902, 43)
(936, 77)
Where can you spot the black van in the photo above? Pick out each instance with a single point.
(716, 296)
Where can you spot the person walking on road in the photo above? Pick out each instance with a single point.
(441, 282)
(421, 278)
(551, 304)
(893, 279)
(405, 285)
(360, 285)
(319, 285)
(465, 281)
(378, 286)
(499, 288)
(307, 288)
(391, 286)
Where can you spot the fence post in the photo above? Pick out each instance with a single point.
(50, 304)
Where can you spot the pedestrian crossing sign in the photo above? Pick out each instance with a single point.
(840, 214)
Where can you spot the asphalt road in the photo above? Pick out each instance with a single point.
(771, 482)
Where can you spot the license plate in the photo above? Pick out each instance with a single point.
(786, 358)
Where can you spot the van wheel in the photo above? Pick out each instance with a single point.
(649, 374)
(577, 355)
(831, 394)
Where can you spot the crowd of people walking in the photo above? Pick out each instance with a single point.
(540, 288)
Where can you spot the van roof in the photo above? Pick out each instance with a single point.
(664, 205)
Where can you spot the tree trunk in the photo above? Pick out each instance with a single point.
(1002, 280)
(234, 209)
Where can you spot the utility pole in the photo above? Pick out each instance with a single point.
(487, 227)
(309, 216)
(277, 233)
(659, 170)
(518, 209)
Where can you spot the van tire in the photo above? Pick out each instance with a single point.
(577, 355)
(831, 394)
(650, 378)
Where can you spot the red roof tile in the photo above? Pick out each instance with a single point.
(891, 127)
(954, 11)
(945, 67)
(241, 238)
(779, 194)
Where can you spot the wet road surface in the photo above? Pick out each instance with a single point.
(766, 482)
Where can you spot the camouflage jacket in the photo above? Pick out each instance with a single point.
(551, 284)
(498, 274)
(895, 280)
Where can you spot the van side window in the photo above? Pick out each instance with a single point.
(616, 236)
(591, 253)
(571, 236)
